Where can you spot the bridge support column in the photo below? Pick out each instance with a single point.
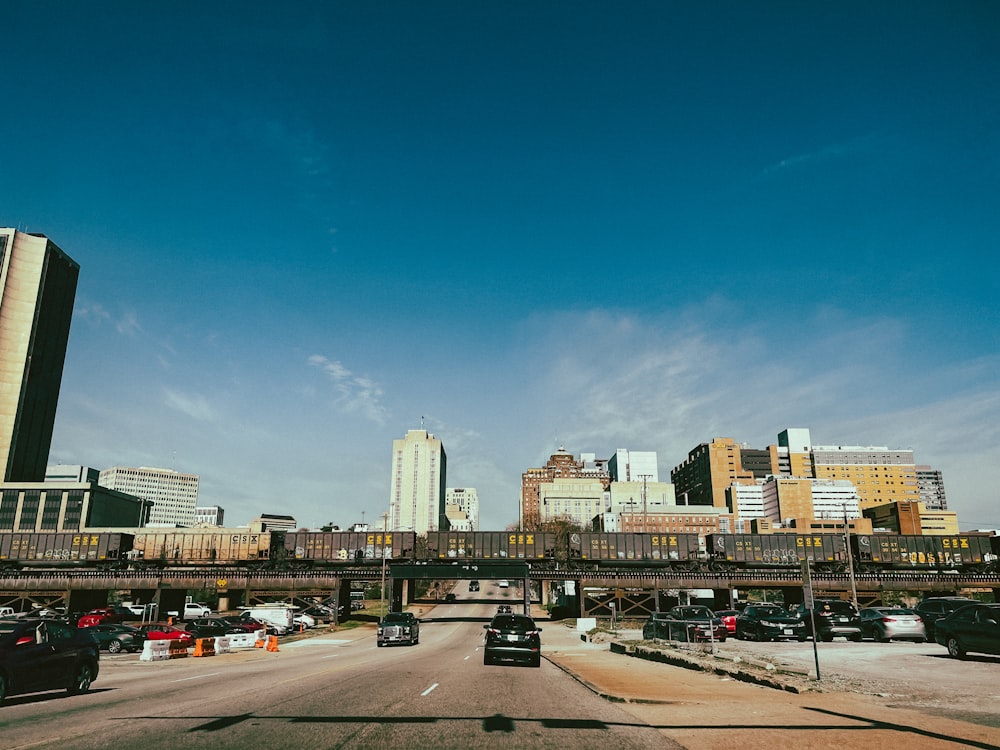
(396, 593)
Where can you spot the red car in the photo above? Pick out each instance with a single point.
(100, 616)
(728, 617)
(158, 631)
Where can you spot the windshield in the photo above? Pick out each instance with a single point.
(398, 617)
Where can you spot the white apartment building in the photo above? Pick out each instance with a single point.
(465, 500)
(174, 495)
(417, 494)
(641, 497)
(633, 466)
(575, 500)
(209, 515)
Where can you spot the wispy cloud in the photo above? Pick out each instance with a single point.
(822, 154)
(194, 406)
(353, 393)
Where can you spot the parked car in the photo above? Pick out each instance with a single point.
(887, 623)
(473, 585)
(117, 637)
(211, 627)
(251, 625)
(37, 655)
(933, 608)
(513, 637)
(702, 622)
(728, 617)
(504, 609)
(357, 604)
(159, 631)
(833, 618)
(768, 622)
(974, 627)
(99, 615)
(398, 627)
(271, 627)
(301, 619)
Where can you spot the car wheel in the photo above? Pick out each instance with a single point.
(115, 647)
(537, 661)
(722, 639)
(84, 675)
(487, 659)
(955, 649)
(379, 644)
(800, 638)
(3, 686)
(883, 638)
(856, 638)
(826, 638)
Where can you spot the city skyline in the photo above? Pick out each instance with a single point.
(302, 234)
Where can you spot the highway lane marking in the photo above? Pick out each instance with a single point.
(331, 656)
(428, 690)
(318, 642)
(198, 677)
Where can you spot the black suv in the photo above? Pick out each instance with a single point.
(514, 637)
(833, 618)
(37, 655)
(767, 622)
(933, 608)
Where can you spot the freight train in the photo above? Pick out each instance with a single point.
(170, 548)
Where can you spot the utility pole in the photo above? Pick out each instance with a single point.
(850, 562)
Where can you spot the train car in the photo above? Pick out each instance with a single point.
(827, 551)
(327, 547)
(621, 547)
(964, 552)
(55, 549)
(201, 546)
(491, 545)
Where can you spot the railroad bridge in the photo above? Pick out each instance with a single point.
(595, 592)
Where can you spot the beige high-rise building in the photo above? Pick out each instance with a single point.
(174, 495)
(417, 495)
(37, 290)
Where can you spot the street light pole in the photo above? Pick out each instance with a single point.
(385, 531)
(850, 562)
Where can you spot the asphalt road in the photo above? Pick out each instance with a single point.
(332, 691)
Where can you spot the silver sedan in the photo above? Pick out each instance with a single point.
(887, 623)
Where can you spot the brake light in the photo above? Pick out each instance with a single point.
(24, 639)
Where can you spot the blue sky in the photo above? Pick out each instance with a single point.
(534, 225)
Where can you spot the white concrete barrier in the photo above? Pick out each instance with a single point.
(155, 651)
(244, 640)
(223, 643)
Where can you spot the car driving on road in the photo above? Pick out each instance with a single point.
(512, 637)
(398, 627)
(38, 655)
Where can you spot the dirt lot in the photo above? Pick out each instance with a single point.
(871, 695)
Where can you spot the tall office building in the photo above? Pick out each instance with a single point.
(417, 494)
(174, 495)
(464, 501)
(561, 465)
(930, 485)
(37, 289)
(633, 466)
